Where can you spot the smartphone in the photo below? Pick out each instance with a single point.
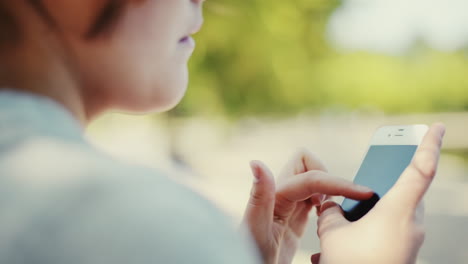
(391, 150)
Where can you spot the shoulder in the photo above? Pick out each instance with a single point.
(99, 209)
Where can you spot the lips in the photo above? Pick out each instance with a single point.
(194, 30)
(184, 39)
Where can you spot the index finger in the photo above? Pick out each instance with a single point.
(303, 186)
(416, 179)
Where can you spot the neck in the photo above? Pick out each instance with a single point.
(30, 73)
(38, 65)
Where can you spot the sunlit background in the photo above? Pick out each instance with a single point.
(269, 77)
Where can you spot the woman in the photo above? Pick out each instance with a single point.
(65, 62)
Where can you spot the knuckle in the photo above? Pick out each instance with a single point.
(283, 205)
(320, 226)
(314, 176)
(419, 235)
(280, 219)
(426, 164)
(315, 180)
(324, 224)
(256, 198)
(425, 169)
(316, 199)
(319, 232)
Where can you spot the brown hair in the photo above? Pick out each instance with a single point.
(104, 22)
(107, 18)
(9, 29)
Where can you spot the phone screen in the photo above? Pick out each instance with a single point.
(379, 171)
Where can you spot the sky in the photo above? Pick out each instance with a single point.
(394, 26)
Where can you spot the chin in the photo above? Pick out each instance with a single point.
(154, 101)
(168, 98)
(154, 95)
(166, 104)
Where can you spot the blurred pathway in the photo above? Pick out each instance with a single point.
(219, 154)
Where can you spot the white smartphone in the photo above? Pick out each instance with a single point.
(391, 150)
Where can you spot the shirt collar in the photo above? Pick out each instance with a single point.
(24, 115)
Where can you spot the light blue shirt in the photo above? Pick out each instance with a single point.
(62, 201)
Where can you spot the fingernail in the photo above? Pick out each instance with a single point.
(362, 188)
(255, 171)
(444, 130)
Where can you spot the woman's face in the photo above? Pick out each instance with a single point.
(140, 62)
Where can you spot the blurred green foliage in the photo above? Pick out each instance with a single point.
(272, 57)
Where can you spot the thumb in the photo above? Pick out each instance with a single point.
(331, 217)
(409, 190)
(259, 212)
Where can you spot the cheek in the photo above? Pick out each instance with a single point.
(135, 82)
(141, 68)
(156, 69)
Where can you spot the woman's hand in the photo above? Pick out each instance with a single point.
(392, 232)
(277, 216)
